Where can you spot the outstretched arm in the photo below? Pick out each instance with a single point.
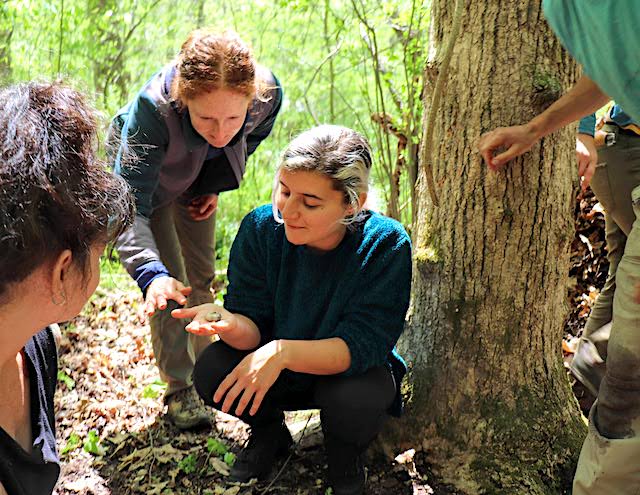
(235, 329)
(499, 146)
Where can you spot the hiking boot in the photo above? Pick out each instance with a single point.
(186, 410)
(347, 474)
(267, 443)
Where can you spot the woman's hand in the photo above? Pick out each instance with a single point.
(159, 292)
(251, 378)
(207, 319)
(203, 207)
(506, 143)
(587, 157)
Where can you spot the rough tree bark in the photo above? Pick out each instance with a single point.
(490, 402)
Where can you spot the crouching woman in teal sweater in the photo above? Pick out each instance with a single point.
(318, 290)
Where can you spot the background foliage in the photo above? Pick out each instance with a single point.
(352, 62)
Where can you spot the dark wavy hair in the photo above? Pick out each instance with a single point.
(55, 193)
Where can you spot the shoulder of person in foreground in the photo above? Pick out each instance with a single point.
(383, 234)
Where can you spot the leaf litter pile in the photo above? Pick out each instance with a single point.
(587, 275)
(113, 438)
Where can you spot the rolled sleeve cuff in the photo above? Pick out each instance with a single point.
(357, 366)
(148, 272)
(588, 125)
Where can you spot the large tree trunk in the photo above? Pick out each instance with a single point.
(490, 402)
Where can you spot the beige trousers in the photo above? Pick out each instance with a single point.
(187, 249)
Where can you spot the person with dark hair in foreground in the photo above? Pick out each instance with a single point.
(318, 291)
(59, 208)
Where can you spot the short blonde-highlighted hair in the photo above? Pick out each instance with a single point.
(341, 154)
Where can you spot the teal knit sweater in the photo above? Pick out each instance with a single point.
(358, 292)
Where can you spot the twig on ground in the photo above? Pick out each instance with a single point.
(284, 464)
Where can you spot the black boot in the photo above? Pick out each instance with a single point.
(267, 443)
(347, 475)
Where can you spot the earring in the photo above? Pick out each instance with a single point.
(59, 301)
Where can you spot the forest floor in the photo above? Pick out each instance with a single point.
(114, 439)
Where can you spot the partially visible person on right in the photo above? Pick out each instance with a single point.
(601, 36)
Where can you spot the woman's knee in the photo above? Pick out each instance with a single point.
(213, 365)
(373, 390)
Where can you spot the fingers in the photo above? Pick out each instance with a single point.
(206, 329)
(488, 145)
(149, 306)
(161, 302)
(588, 175)
(485, 147)
(229, 380)
(203, 207)
(582, 165)
(231, 396)
(195, 215)
(142, 313)
(198, 216)
(185, 312)
(512, 152)
(244, 401)
(514, 140)
(238, 392)
(257, 401)
(208, 211)
(177, 296)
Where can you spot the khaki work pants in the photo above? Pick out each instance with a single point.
(617, 174)
(187, 249)
(609, 460)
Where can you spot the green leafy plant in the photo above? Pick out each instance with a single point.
(188, 464)
(72, 443)
(229, 458)
(92, 444)
(154, 390)
(215, 446)
(66, 379)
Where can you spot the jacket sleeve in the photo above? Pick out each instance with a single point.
(263, 129)
(143, 141)
(375, 320)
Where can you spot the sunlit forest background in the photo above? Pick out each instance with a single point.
(356, 63)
